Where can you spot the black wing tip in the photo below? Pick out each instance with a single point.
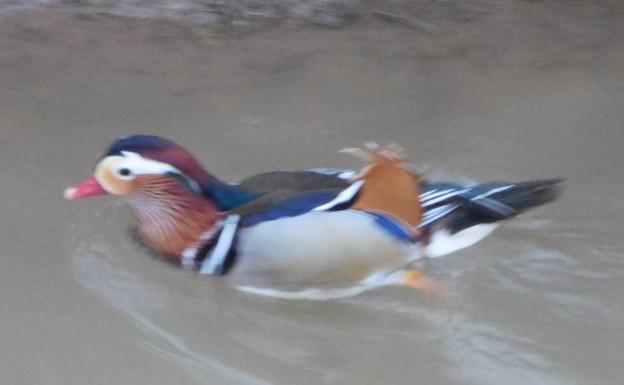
(554, 189)
(555, 184)
(533, 193)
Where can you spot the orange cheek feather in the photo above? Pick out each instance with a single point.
(117, 186)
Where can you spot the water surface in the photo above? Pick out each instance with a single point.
(505, 90)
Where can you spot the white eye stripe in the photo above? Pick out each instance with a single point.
(139, 165)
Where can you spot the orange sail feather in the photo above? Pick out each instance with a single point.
(389, 186)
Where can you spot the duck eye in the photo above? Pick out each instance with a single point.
(124, 172)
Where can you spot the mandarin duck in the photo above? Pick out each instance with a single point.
(295, 232)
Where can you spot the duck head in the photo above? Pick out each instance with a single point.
(133, 163)
(163, 184)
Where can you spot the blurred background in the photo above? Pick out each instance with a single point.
(473, 89)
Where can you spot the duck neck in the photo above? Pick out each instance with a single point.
(226, 196)
(170, 218)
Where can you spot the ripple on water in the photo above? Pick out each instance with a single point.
(498, 320)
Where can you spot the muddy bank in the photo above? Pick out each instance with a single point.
(240, 16)
(233, 15)
(247, 15)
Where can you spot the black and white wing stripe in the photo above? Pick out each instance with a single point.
(440, 200)
(431, 216)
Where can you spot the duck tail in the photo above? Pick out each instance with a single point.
(497, 201)
(487, 203)
(522, 196)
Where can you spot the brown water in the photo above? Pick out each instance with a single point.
(512, 90)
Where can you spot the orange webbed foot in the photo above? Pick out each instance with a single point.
(417, 280)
